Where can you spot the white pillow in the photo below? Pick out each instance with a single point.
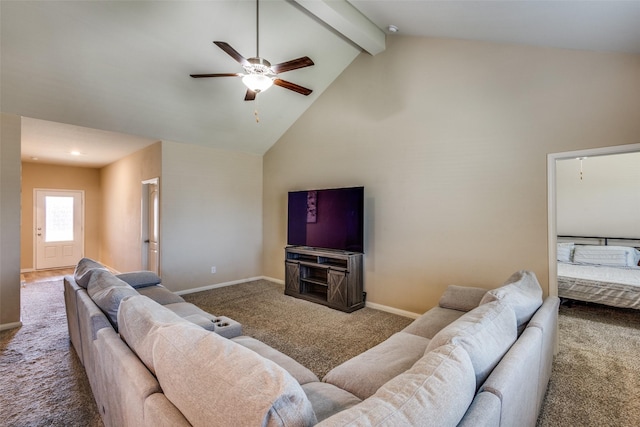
(565, 252)
(616, 256)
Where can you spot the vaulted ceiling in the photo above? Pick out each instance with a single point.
(117, 72)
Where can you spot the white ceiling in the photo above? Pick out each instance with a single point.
(123, 66)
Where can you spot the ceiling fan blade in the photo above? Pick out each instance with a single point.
(232, 52)
(292, 86)
(198, 76)
(250, 96)
(294, 64)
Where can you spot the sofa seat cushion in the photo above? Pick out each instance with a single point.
(432, 322)
(160, 294)
(522, 292)
(327, 399)
(210, 379)
(84, 269)
(463, 298)
(106, 290)
(300, 373)
(367, 372)
(436, 391)
(486, 333)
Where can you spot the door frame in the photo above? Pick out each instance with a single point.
(35, 220)
(552, 225)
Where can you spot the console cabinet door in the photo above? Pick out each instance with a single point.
(337, 292)
(292, 278)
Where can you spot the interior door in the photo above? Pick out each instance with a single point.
(151, 226)
(59, 228)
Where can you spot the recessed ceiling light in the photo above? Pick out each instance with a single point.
(75, 153)
(34, 158)
(393, 29)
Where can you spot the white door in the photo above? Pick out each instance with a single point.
(151, 226)
(59, 228)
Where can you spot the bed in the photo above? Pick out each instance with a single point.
(599, 269)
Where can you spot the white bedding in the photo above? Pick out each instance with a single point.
(601, 273)
(614, 286)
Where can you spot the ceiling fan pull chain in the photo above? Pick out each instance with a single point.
(255, 112)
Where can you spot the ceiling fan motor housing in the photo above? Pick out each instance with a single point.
(259, 66)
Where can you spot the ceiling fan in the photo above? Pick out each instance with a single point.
(259, 74)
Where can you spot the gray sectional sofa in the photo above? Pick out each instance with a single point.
(477, 359)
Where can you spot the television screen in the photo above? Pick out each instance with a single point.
(330, 219)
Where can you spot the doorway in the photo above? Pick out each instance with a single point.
(552, 200)
(59, 228)
(151, 225)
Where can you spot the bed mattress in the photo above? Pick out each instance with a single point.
(614, 286)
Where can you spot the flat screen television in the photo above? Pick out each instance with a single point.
(328, 219)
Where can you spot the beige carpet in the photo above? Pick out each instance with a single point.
(596, 374)
(595, 382)
(42, 382)
(314, 335)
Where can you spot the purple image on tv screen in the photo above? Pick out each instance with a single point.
(331, 219)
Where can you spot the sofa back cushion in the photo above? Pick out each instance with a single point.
(140, 279)
(463, 298)
(139, 318)
(522, 292)
(436, 390)
(84, 269)
(210, 379)
(367, 372)
(106, 290)
(486, 333)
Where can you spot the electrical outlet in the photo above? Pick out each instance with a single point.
(213, 270)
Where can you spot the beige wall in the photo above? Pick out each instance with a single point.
(605, 202)
(121, 243)
(450, 140)
(36, 175)
(211, 215)
(10, 134)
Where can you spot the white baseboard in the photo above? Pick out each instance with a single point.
(392, 310)
(373, 305)
(7, 326)
(222, 285)
(271, 279)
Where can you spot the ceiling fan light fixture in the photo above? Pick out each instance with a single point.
(257, 82)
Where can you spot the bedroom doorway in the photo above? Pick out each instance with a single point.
(552, 203)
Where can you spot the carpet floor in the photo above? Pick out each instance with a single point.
(596, 374)
(42, 382)
(595, 380)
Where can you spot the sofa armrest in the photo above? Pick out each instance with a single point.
(484, 411)
(515, 380)
(546, 319)
(71, 289)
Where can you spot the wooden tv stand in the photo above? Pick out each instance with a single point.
(323, 276)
